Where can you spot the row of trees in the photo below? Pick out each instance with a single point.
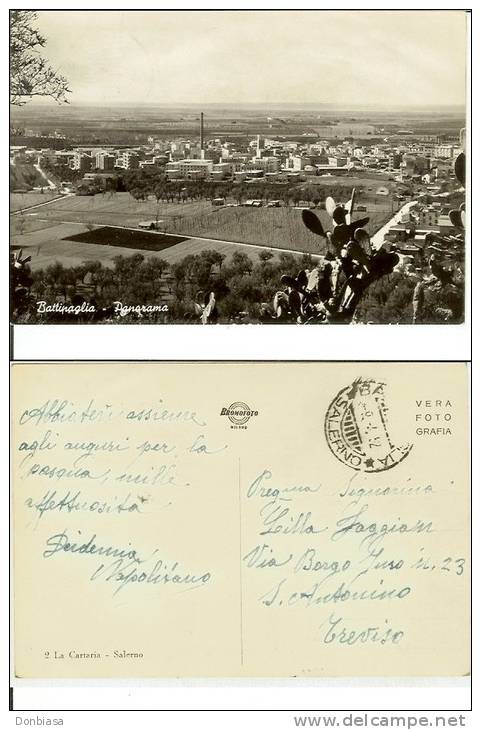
(244, 289)
(153, 182)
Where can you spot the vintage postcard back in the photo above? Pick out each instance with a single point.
(240, 519)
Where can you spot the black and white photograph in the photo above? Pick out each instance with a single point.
(238, 167)
(218, 526)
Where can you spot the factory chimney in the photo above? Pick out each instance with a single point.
(202, 135)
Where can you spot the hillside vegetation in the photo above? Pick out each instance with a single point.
(24, 176)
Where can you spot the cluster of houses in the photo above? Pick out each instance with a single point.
(424, 231)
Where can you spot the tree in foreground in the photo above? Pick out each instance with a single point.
(30, 73)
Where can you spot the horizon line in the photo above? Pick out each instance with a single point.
(199, 104)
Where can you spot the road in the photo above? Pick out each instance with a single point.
(21, 211)
(378, 239)
(50, 184)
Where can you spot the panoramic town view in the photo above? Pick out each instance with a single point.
(218, 212)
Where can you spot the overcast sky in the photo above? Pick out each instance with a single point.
(381, 58)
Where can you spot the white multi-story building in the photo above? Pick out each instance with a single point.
(104, 161)
(63, 157)
(443, 150)
(337, 161)
(128, 160)
(223, 169)
(268, 164)
(81, 161)
(194, 169)
(296, 162)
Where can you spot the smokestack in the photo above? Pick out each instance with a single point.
(202, 135)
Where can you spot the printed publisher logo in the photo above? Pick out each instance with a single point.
(238, 414)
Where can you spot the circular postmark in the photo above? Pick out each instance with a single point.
(357, 428)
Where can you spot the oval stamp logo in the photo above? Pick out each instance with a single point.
(238, 414)
(357, 428)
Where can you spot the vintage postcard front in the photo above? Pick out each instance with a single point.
(240, 519)
(208, 168)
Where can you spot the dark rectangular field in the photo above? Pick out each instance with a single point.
(126, 238)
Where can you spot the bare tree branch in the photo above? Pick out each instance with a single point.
(30, 73)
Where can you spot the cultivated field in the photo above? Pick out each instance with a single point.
(278, 227)
(47, 231)
(126, 238)
(133, 124)
(116, 209)
(20, 201)
(370, 181)
(59, 242)
(342, 130)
